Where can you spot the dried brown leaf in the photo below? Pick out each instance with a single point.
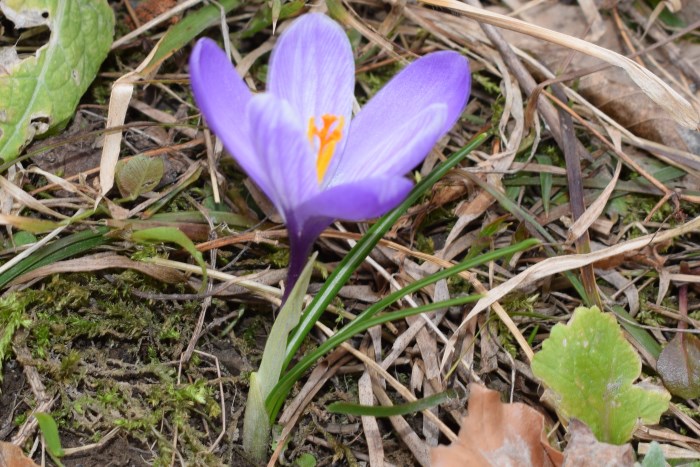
(584, 449)
(611, 90)
(99, 262)
(494, 433)
(12, 456)
(657, 90)
(581, 225)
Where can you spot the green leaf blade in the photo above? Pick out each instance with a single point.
(48, 428)
(172, 235)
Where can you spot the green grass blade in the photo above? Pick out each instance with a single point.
(49, 430)
(279, 393)
(363, 247)
(172, 235)
(179, 35)
(365, 320)
(638, 333)
(444, 274)
(525, 216)
(59, 250)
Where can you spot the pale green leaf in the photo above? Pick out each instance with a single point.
(30, 224)
(655, 456)
(48, 428)
(41, 92)
(590, 369)
(172, 235)
(23, 238)
(256, 421)
(139, 175)
(306, 460)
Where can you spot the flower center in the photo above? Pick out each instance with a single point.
(328, 136)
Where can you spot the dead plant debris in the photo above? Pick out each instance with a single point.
(140, 363)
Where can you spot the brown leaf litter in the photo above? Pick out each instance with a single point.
(498, 434)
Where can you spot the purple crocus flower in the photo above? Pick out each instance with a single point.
(299, 142)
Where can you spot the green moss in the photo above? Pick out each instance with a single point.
(12, 318)
(425, 244)
(107, 355)
(489, 85)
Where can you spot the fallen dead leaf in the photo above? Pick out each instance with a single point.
(498, 434)
(611, 90)
(676, 106)
(584, 450)
(12, 456)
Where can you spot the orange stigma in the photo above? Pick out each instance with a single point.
(329, 135)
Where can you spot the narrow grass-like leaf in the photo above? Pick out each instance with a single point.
(525, 216)
(545, 182)
(256, 422)
(638, 333)
(359, 252)
(217, 217)
(359, 410)
(276, 398)
(180, 34)
(30, 224)
(172, 235)
(66, 247)
(49, 430)
(367, 318)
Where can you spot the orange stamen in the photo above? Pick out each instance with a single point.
(328, 136)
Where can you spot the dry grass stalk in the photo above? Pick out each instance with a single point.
(656, 89)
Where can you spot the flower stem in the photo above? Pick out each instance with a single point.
(297, 258)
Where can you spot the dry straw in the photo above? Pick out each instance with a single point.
(651, 84)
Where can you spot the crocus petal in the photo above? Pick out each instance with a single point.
(400, 150)
(223, 98)
(280, 142)
(357, 201)
(437, 78)
(312, 67)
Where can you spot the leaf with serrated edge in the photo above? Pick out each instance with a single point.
(590, 367)
(41, 92)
